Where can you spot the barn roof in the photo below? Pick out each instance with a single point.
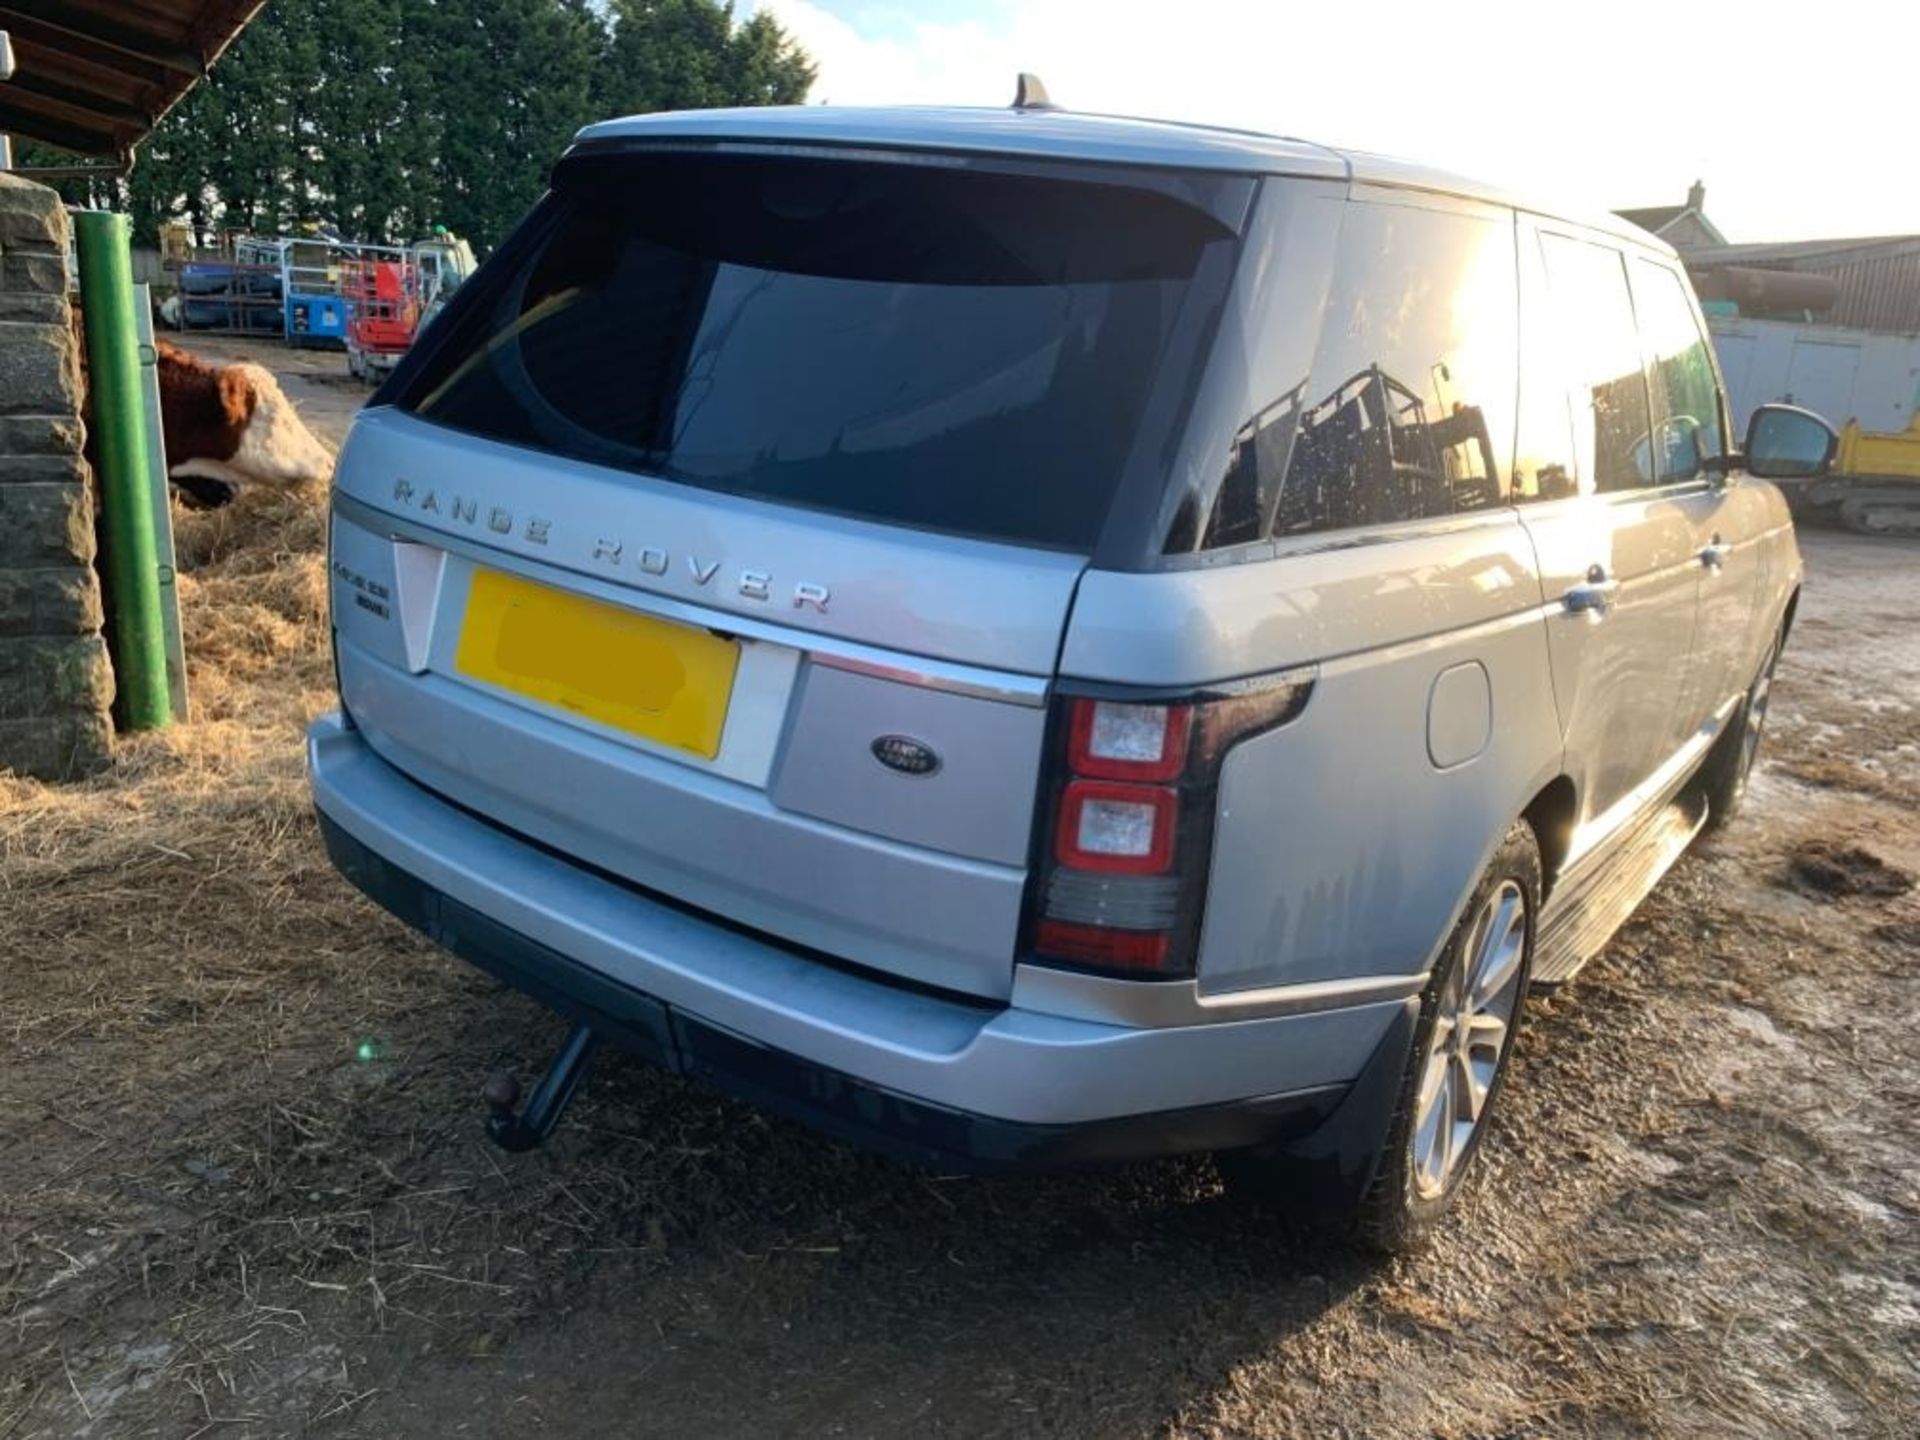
(95, 76)
(1654, 218)
(1795, 251)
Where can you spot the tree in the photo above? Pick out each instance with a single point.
(514, 83)
(767, 67)
(689, 55)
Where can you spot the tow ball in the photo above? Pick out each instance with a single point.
(513, 1129)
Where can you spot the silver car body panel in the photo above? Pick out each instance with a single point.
(794, 827)
(702, 839)
(913, 592)
(1005, 1062)
(1454, 684)
(977, 801)
(1338, 852)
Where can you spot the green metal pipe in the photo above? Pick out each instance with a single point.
(119, 427)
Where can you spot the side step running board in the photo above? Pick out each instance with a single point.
(1595, 900)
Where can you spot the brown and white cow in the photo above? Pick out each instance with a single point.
(228, 426)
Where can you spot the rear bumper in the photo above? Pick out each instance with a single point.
(941, 1080)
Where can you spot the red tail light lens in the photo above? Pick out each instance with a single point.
(1119, 883)
(1103, 946)
(1112, 740)
(1117, 829)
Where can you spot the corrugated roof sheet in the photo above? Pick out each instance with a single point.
(95, 76)
(1879, 276)
(1653, 217)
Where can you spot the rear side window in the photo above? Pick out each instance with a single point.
(1686, 397)
(1597, 349)
(941, 346)
(1409, 410)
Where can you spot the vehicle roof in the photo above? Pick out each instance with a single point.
(1112, 139)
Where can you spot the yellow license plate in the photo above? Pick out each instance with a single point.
(648, 677)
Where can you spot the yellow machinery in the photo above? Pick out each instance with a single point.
(1875, 484)
(1864, 453)
(176, 243)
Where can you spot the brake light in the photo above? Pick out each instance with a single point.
(1119, 882)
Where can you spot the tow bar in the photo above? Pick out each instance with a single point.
(528, 1128)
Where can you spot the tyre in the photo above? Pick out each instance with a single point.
(1729, 765)
(1470, 1017)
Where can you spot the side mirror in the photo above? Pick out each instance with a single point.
(1785, 442)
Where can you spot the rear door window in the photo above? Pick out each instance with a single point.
(1686, 396)
(1600, 361)
(942, 346)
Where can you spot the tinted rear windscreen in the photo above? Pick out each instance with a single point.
(959, 349)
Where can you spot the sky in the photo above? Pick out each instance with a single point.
(1801, 119)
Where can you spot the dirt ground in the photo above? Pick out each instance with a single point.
(243, 1188)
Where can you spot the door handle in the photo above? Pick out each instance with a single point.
(1594, 596)
(1715, 554)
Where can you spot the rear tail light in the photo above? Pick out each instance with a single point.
(1119, 741)
(1119, 880)
(1117, 829)
(1101, 947)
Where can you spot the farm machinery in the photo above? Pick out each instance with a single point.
(1875, 485)
(316, 290)
(1871, 379)
(389, 300)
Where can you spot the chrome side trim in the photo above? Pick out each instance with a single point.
(930, 674)
(1159, 1004)
(1008, 688)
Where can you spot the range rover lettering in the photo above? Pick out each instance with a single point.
(1025, 638)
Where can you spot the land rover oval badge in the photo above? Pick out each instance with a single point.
(906, 754)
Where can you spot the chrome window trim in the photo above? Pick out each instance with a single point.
(1639, 495)
(1011, 689)
(1158, 1004)
(1317, 542)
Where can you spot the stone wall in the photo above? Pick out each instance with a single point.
(55, 681)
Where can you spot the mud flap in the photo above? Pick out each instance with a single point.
(1331, 1168)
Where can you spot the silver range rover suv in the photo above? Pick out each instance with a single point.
(1024, 638)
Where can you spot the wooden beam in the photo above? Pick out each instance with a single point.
(69, 98)
(38, 48)
(128, 40)
(32, 125)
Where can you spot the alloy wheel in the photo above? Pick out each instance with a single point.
(1472, 1022)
